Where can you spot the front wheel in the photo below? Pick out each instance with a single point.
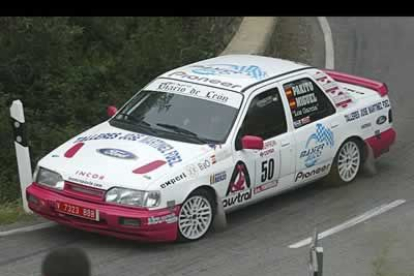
(196, 216)
(346, 163)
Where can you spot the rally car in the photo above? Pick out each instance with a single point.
(220, 133)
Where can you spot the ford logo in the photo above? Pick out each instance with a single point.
(118, 153)
(381, 120)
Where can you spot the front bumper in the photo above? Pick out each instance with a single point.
(42, 201)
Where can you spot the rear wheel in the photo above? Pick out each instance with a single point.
(346, 164)
(196, 215)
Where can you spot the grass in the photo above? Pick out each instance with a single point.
(11, 212)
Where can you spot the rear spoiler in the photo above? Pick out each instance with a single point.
(380, 87)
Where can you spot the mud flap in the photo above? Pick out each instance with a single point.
(369, 167)
(220, 221)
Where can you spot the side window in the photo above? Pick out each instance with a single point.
(308, 103)
(265, 117)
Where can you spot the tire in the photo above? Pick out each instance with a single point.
(196, 216)
(347, 163)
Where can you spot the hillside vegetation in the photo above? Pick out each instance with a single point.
(67, 70)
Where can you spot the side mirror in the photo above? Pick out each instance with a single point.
(111, 110)
(252, 142)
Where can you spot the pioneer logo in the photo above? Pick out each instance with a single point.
(305, 175)
(206, 80)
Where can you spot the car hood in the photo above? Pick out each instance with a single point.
(106, 156)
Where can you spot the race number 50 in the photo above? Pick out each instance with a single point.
(268, 169)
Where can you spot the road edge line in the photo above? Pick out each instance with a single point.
(27, 229)
(351, 222)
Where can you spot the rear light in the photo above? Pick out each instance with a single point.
(380, 87)
(390, 116)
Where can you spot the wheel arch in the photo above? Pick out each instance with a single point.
(361, 142)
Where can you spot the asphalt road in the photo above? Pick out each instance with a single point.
(257, 238)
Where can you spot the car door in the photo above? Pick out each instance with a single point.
(260, 171)
(315, 127)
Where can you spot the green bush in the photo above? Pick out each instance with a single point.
(66, 70)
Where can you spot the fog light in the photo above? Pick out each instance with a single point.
(32, 199)
(130, 222)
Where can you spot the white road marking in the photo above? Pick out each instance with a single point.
(27, 229)
(329, 47)
(352, 222)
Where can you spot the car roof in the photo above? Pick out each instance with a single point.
(233, 72)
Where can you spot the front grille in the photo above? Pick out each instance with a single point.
(84, 192)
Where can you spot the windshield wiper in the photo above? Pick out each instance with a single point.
(178, 129)
(134, 119)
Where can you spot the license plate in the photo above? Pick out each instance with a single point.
(78, 211)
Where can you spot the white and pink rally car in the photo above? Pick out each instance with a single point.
(220, 133)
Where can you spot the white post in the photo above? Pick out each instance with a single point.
(22, 149)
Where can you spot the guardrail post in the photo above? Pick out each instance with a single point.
(22, 149)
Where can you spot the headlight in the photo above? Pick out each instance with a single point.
(49, 178)
(132, 197)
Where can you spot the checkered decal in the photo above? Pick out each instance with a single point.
(322, 135)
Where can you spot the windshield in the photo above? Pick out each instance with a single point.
(178, 117)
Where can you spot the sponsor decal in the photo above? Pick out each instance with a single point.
(213, 159)
(117, 153)
(80, 181)
(317, 141)
(301, 122)
(268, 100)
(268, 148)
(305, 175)
(266, 152)
(173, 181)
(269, 144)
(239, 189)
(266, 186)
(171, 155)
(252, 71)
(330, 87)
(170, 218)
(204, 165)
(90, 175)
(366, 125)
(202, 79)
(218, 177)
(382, 119)
(191, 170)
(215, 146)
(355, 115)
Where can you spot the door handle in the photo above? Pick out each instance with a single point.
(334, 125)
(285, 144)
